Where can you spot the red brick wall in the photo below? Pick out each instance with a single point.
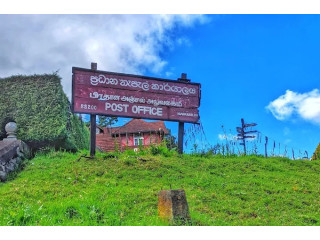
(108, 143)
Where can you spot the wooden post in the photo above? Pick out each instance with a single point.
(244, 140)
(274, 146)
(173, 206)
(181, 124)
(293, 154)
(92, 135)
(93, 125)
(180, 137)
(265, 147)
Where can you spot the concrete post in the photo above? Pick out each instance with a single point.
(11, 129)
(173, 206)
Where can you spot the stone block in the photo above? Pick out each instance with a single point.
(10, 167)
(3, 176)
(11, 155)
(173, 205)
(8, 150)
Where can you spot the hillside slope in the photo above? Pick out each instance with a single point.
(58, 189)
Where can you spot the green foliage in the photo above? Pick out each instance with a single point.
(79, 133)
(316, 154)
(171, 142)
(58, 188)
(41, 110)
(161, 149)
(105, 121)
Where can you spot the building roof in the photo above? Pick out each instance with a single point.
(139, 125)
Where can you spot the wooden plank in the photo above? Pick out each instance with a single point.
(248, 132)
(127, 82)
(249, 136)
(124, 96)
(114, 108)
(250, 125)
(239, 129)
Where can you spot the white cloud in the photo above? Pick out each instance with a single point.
(227, 137)
(305, 105)
(122, 43)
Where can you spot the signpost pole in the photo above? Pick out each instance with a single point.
(180, 137)
(244, 140)
(181, 124)
(93, 125)
(242, 135)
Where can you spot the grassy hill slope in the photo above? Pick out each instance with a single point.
(58, 189)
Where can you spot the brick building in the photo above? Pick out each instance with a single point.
(134, 133)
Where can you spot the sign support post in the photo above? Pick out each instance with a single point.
(180, 137)
(244, 140)
(181, 124)
(93, 125)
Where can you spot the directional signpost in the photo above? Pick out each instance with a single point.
(242, 133)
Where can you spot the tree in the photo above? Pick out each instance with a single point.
(105, 121)
(171, 141)
(316, 154)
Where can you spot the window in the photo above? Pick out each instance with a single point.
(137, 140)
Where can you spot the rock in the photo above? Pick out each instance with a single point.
(19, 160)
(8, 150)
(10, 166)
(2, 168)
(14, 163)
(3, 176)
(11, 155)
(20, 153)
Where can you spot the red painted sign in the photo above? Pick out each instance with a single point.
(124, 95)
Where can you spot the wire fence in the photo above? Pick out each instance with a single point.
(262, 144)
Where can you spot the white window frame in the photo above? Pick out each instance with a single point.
(137, 140)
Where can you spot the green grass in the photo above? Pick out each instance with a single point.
(57, 189)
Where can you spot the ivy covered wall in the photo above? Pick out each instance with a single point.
(41, 110)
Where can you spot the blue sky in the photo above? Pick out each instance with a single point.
(246, 61)
(263, 68)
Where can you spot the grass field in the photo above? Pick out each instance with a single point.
(56, 188)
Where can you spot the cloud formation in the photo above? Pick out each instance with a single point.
(227, 137)
(304, 105)
(39, 44)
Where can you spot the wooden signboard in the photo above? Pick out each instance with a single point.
(125, 95)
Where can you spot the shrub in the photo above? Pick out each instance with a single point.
(161, 149)
(41, 110)
(316, 154)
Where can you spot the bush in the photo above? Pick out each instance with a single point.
(316, 154)
(41, 110)
(162, 149)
